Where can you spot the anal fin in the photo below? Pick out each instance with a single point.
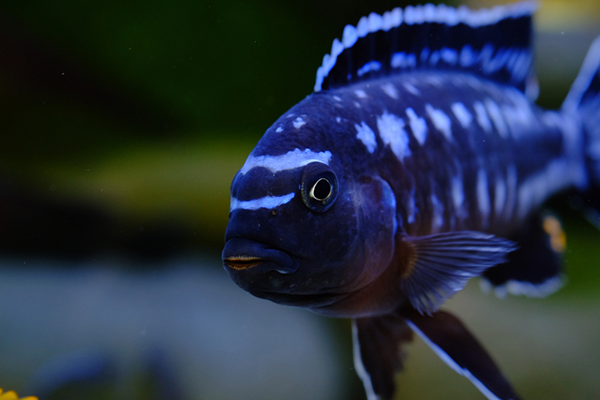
(378, 352)
(535, 268)
(458, 348)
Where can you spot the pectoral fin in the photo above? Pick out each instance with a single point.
(378, 352)
(458, 348)
(437, 266)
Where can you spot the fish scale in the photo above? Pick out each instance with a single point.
(419, 162)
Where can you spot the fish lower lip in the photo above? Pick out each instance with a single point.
(242, 262)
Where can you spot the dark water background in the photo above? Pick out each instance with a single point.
(122, 125)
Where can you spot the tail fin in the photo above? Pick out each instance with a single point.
(583, 103)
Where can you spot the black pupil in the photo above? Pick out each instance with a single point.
(321, 190)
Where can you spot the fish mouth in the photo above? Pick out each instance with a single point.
(240, 255)
(242, 262)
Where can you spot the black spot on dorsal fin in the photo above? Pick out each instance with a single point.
(493, 43)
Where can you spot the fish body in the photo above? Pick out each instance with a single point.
(419, 162)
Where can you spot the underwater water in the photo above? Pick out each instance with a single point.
(122, 125)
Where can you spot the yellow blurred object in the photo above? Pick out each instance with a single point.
(558, 239)
(556, 15)
(11, 395)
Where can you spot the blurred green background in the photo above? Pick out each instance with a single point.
(123, 123)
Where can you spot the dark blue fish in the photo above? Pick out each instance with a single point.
(419, 162)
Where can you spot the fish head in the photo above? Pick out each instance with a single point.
(304, 232)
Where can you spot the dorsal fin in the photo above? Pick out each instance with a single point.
(493, 43)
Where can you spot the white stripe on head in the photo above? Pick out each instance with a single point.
(269, 202)
(290, 160)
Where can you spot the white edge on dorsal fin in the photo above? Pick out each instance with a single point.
(418, 15)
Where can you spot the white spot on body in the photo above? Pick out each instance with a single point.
(338, 120)
(411, 208)
(299, 122)
(511, 190)
(366, 135)
(496, 116)
(458, 196)
(418, 126)
(360, 94)
(390, 90)
(536, 188)
(264, 202)
(499, 195)
(337, 98)
(482, 117)
(437, 220)
(392, 133)
(290, 160)
(440, 120)
(483, 194)
(279, 129)
(463, 115)
(411, 88)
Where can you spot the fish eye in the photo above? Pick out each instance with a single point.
(319, 187)
(321, 190)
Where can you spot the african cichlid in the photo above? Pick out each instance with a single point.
(419, 162)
